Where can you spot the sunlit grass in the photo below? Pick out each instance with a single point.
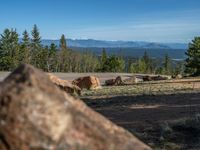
(141, 89)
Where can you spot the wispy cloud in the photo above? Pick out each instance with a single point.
(160, 31)
(172, 26)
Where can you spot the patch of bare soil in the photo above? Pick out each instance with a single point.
(150, 116)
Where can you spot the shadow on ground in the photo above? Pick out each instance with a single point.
(148, 116)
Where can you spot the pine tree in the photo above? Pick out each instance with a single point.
(146, 63)
(103, 56)
(134, 68)
(103, 60)
(25, 48)
(42, 57)
(179, 69)
(47, 58)
(167, 65)
(9, 49)
(193, 57)
(142, 66)
(63, 43)
(52, 58)
(26, 39)
(129, 66)
(146, 58)
(63, 55)
(35, 46)
(36, 39)
(114, 64)
(52, 49)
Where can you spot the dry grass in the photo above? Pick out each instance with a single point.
(145, 89)
(182, 129)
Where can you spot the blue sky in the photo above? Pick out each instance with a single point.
(135, 20)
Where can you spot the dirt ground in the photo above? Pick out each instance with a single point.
(144, 115)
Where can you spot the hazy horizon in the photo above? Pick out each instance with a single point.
(116, 40)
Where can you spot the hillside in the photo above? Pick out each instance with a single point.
(126, 48)
(119, 44)
(136, 52)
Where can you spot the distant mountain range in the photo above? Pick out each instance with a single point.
(88, 43)
(126, 48)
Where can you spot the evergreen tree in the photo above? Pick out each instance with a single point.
(179, 68)
(139, 66)
(63, 43)
(52, 49)
(142, 66)
(52, 58)
(167, 65)
(129, 65)
(103, 60)
(63, 55)
(146, 58)
(114, 64)
(89, 62)
(42, 58)
(193, 57)
(36, 39)
(35, 46)
(146, 63)
(103, 56)
(133, 68)
(25, 48)
(47, 58)
(9, 49)
(159, 70)
(26, 39)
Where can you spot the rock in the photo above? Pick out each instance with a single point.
(132, 80)
(114, 82)
(138, 79)
(118, 81)
(155, 78)
(89, 82)
(65, 85)
(110, 82)
(179, 76)
(124, 80)
(169, 77)
(166, 77)
(147, 78)
(37, 115)
(158, 78)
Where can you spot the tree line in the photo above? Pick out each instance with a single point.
(29, 49)
(15, 51)
(148, 65)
